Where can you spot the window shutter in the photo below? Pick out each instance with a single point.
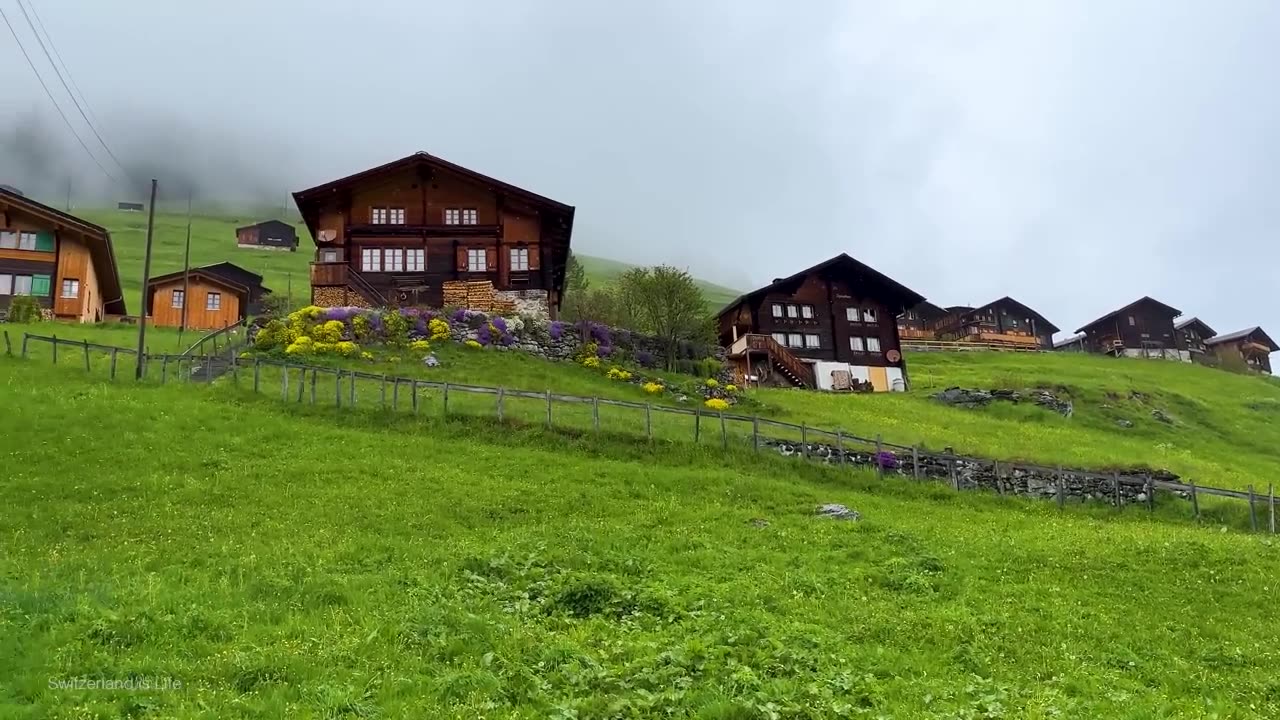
(533, 257)
(44, 241)
(39, 284)
(462, 259)
(491, 258)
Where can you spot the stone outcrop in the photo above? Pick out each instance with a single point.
(963, 397)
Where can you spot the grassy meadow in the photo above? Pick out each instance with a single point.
(286, 561)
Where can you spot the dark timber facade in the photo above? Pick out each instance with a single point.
(1143, 328)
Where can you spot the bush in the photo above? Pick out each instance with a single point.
(302, 346)
(652, 388)
(439, 328)
(717, 404)
(396, 327)
(474, 345)
(420, 346)
(617, 373)
(24, 309)
(328, 332)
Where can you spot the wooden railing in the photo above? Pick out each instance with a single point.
(371, 293)
(799, 371)
(963, 345)
(211, 339)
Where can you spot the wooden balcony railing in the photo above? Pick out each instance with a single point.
(798, 371)
(328, 274)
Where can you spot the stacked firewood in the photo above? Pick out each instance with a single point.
(476, 295)
(455, 294)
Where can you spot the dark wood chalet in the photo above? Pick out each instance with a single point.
(1002, 322)
(268, 235)
(395, 234)
(1143, 328)
(832, 326)
(1193, 333)
(1253, 347)
(917, 323)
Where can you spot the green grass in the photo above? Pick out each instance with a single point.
(283, 561)
(158, 340)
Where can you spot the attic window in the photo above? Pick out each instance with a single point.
(1131, 321)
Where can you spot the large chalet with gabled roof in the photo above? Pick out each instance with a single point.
(1143, 328)
(1003, 323)
(399, 233)
(1251, 346)
(832, 326)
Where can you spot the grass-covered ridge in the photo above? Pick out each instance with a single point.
(287, 562)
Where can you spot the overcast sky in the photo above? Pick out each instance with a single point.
(1073, 154)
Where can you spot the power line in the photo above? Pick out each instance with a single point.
(63, 80)
(49, 93)
(58, 55)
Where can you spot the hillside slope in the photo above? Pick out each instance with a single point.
(281, 562)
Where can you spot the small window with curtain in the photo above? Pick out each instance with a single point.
(452, 216)
(777, 310)
(378, 216)
(21, 284)
(6, 284)
(873, 345)
(393, 260)
(213, 301)
(415, 260)
(395, 216)
(469, 216)
(780, 338)
(8, 240)
(868, 315)
(70, 288)
(806, 312)
(812, 341)
(793, 311)
(370, 260)
(795, 340)
(519, 259)
(856, 344)
(851, 314)
(178, 300)
(26, 241)
(476, 260)
(328, 256)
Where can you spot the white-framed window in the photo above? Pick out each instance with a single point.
(1015, 323)
(519, 259)
(395, 216)
(26, 241)
(851, 314)
(856, 344)
(178, 299)
(469, 216)
(452, 216)
(378, 216)
(370, 260)
(780, 338)
(795, 340)
(6, 284)
(70, 288)
(8, 240)
(873, 344)
(812, 341)
(793, 311)
(1132, 322)
(476, 260)
(806, 312)
(868, 315)
(393, 260)
(777, 310)
(213, 301)
(21, 284)
(415, 259)
(328, 256)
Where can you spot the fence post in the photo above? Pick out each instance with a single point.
(951, 468)
(595, 414)
(384, 391)
(235, 370)
(1253, 515)
(351, 394)
(164, 369)
(1195, 503)
(24, 345)
(395, 393)
(86, 356)
(55, 349)
(500, 392)
(879, 463)
(840, 444)
(755, 433)
(415, 397)
(1115, 483)
(804, 441)
(8, 346)
(999, 479)
(697, 425)
(915, 461)
(314, 372)
(302, 382)
(446, 399)
(113, 363)
(1062, 489)
(337, 388)
(1271, 500)
(257, 372)
(548, 408)
(1151, 494)
(724, 433)
(648, 420)
(284, 382)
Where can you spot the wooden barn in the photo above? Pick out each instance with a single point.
(832, 327)
(917, 323)
(1193, 333)
(268, 235)
(1004, 322)
(1143, 328)
(213, 296)
(65, 263)
(1253, 347)
(418, 229)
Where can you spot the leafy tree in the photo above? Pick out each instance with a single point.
(576, 288)
(665, 302)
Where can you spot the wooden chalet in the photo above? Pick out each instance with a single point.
(917, 323)
(1143, 328)
(398, 233)
(832, 326)
(268, 235)
(1193, 333)
(65, 263)
(1004, 322)
(1252, 346)
(1075, 343)
(214, 296)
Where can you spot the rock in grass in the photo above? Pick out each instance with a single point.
(1162, 416)
(758, 522)
(1124, 423)
(838, 512)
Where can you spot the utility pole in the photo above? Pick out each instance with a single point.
(186, 273)
(146, 278)
(288, 297)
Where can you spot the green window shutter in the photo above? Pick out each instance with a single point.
(44, 241)
(40, 285)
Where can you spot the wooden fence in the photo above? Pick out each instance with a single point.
(808, 442)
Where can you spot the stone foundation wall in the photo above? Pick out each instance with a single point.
(533, 303)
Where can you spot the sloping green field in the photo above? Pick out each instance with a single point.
(278, 561)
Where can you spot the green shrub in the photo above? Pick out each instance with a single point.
(396, 327)
(24, 309)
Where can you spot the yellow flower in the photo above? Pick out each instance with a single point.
(346, 347)
(717, 404)
(366, 356)
(439, 328)
(731, 388)
(712, 382)
(330, 332)
(617, 373)
(591, 361)
(653, 388)
(420, 346)
(473, 344)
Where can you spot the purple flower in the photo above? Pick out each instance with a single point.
(507, 340)
(483, 336)
(342, 314)
(557, 330)
(600, 333)
(645, 358)
(886, 460)
(500, 323)
(460, 315)
(603, 351)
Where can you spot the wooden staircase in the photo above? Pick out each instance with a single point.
(795, 370)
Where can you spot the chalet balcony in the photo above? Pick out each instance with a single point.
(387, 230)
(328, 274)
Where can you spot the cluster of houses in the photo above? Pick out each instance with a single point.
(415, 230)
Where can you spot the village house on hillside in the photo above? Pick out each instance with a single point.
(422, 230)
(213, 296)
(832, 326)
(1004, 322)
(1252, 346)
(1193, 333)
(1143, 328)
(917, 323)
(268, 235)
(65, 263)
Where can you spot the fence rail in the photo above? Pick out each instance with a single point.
(916, 463)
(213, 337)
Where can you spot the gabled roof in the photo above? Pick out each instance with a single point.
(232, 267)
(97, 239)
(904, 296)
(927, 309)
(1256, 332)
(268, 222)
(1041, 321)
(1205, 330)
(1069, 341)
(201, 273)
(1174, 312)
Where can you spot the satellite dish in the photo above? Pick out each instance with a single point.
(327, 235)
(893, 356)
